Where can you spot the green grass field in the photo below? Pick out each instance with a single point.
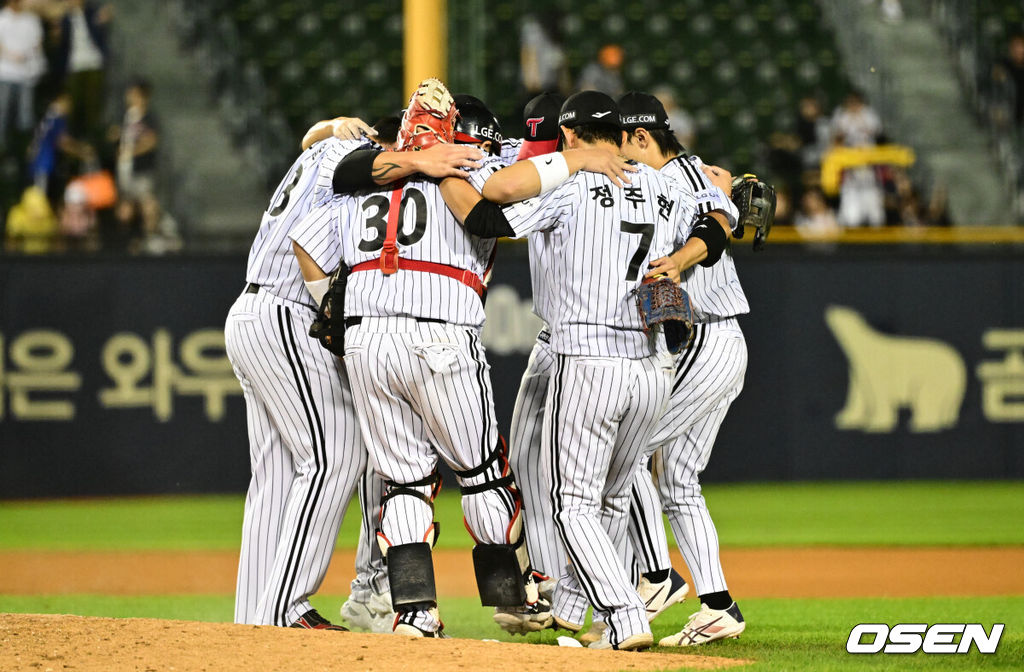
(791, 634)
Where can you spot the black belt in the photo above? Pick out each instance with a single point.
(251, 288)
(353, 321)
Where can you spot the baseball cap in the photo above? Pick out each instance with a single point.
(642, 110)
(589, 107)
(540, 116)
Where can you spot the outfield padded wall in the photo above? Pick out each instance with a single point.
(113, 378)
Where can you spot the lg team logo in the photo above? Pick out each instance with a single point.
(914, 637)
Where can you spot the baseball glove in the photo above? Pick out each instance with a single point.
(329, 325)
(756, 202)
(661, 301)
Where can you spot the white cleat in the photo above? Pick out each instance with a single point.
(525, 619)
(660, 596)
(594, 633)
(374, 615)
(707, 625)
(637, 642)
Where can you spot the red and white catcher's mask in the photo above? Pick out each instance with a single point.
(429, 118)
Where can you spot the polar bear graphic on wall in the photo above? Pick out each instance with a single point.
(892, 372)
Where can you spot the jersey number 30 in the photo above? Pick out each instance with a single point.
(376, 208)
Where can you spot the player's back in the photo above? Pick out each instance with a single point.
(307, 184)
(427, 231)
(715, 291)
(589, 264)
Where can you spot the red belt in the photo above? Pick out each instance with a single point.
(468, 278)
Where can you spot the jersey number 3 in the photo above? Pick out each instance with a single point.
(375, 209)
(646, 233)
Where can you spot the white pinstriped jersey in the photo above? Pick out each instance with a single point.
(595, 242)
(510, 149)
(715, 291)
(352, 228)
(307, 184)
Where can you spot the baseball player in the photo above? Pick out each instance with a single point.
(709, 376)
(611, 380)
(420, 377)
(659, 586)
(305, 450)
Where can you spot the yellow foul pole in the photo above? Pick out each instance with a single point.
(425, 27)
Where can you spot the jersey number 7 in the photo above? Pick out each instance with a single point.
(377, 222)
(646, 233)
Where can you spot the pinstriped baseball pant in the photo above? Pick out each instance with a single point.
(646, 531)
(423, 391)
(599, 417)
(709, 377)
(305, 452)
(546, 551)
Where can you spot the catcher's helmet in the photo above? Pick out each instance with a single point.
(429, 117)
(476, 123)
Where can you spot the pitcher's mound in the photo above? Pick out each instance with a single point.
(52, 642)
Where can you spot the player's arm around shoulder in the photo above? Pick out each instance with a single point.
(540, 174)
(369, 168)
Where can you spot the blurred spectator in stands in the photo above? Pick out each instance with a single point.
(119, 234)
(542, 60)
(679, 120)
(78, 221)
(937, 211)
(50, 147)
(815, 219)
(813, 131)
(22, 63)
(604, 74)
(861, 200)
(783, 206)
(1009, 72)
(137, 138)
(31, 224)
(159, 231)
(81, 62)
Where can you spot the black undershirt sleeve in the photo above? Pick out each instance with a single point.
(487, 220)
(355, 172)
(710, 231)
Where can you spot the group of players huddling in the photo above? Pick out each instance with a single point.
(379, 243)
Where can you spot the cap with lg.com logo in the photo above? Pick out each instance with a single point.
(914, 637)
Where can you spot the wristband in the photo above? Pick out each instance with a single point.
(552, 169)
(318, 288)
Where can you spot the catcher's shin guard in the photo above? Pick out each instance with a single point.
(503, 571)
(410, 565)
(411, 572)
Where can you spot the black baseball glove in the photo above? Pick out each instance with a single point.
(329, 325)
(756, 202)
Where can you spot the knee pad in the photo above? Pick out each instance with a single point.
(411, 572)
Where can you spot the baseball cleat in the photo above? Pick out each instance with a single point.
(707, 625)
(596, 630)
(546, 587)
(660, 596)
(312, 620)
(566, 625)
(420, 624)
(637, 642)
(374, 615)
(528, 618)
